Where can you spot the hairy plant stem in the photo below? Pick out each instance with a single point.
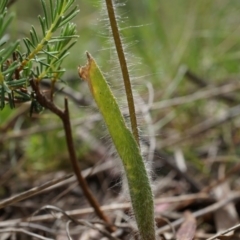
(124, 67)
(65, 117)
(138, 180)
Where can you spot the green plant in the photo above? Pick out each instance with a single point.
(6, 67)
(126, 143)
(41, 57)
(126, 146)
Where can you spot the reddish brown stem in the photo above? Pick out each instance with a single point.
(72, 154)
(65, 117)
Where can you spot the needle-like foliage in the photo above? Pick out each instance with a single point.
(41, 54)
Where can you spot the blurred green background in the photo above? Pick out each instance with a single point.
(162, 38)
(204, 35)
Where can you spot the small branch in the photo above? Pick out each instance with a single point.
(72, 94)
(76, 167)
(64, 116)
(44, 101)
(124, 68)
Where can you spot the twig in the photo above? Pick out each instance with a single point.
(37, 227)
(224, 232)
(41, 129)
(79, 222)
(230, 173)
(44, 101)
(208, 93)
(168, 161)
(67, 230)
(76, 167)
(202, 212)
(124, 68)
(75, 96)
(112, 207)
(32, 192)
(203, 127)
(72, 180)
(64, 116)
(20, 230)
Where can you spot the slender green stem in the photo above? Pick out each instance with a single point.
(124, 67)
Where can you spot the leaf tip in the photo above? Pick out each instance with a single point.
(83, 71)
(89, 57)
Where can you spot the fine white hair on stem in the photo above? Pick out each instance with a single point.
(115, 75)
(144, 108)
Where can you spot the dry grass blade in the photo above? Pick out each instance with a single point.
(20, 230)
(230, 173)
(112, 207)
(40, 129)
(227, 216)
(202, 212)
(188, 228)
(204, 94)
(224, 232)
(79, 222)
(67, 230)
(31, 192)
(36, 227)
